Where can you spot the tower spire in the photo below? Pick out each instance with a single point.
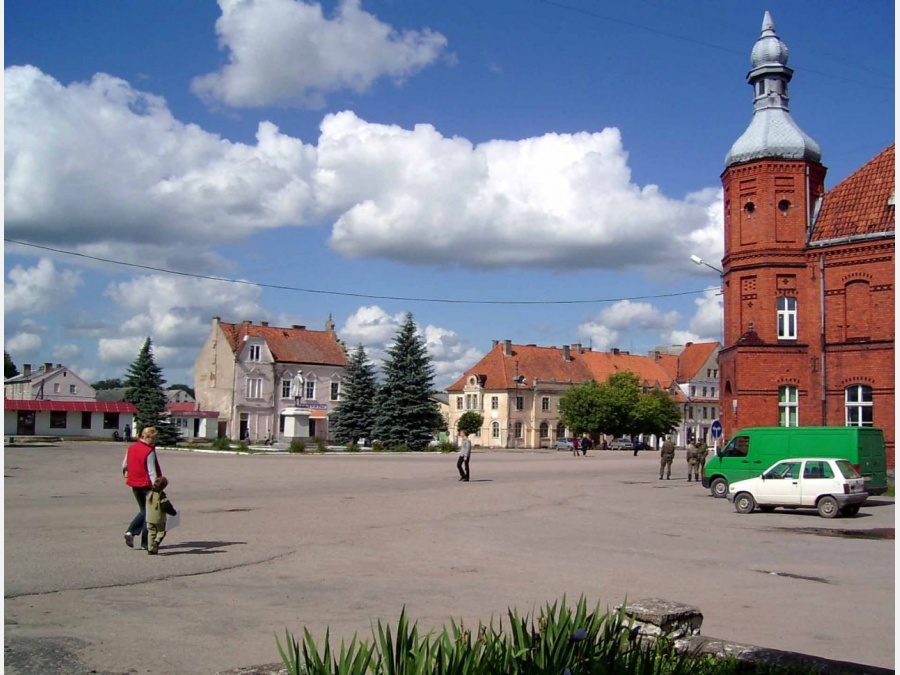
(772, 132)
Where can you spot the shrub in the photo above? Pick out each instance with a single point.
(297, 445)
(320, 445)
(351, 447)
(222, 443)
(403, 447)
(377, 446)
(447, 446)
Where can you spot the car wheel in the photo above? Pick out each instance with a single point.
(744, 502)
(828, 507)
(719, 488)
(767, 509)
(850, 510)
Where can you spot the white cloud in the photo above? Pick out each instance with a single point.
(375, 329)
(65, 353)
(286, 52)
(102, 166)
(39, 288)
(106, 169)
(23, 345)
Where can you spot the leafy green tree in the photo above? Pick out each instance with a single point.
(354, 416)
(470, 422)
(114, 383)
(9, 368)
(656, 413)
(406, 413)
(580, 408)
(144, 388)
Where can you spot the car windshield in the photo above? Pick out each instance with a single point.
(847, 469)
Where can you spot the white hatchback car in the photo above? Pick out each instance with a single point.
(831, 486)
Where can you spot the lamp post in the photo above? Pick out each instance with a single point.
(697, 260)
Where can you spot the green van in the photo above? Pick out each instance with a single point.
(751, 451)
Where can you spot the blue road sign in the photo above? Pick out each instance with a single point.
(716, 429)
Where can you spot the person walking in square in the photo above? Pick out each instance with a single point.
(666, 455)
(140, 469)
(159, 508)
(693, 461)
(462, 460)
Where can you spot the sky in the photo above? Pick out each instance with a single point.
(527, 170)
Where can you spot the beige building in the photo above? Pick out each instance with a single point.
(47, 383)
(516, 388)
(260, 378)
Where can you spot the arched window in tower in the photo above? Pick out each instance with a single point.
(787, 318)
(858, 405)
(857, 310)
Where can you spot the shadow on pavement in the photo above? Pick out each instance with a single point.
(198, 547)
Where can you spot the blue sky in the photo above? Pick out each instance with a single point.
(559, 160)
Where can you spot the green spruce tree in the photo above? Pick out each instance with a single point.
(354, 416)
(144, 388)
(406, 413)
(9, 368)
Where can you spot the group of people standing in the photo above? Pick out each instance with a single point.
(696, 459)
(143, 475)
(582, 444)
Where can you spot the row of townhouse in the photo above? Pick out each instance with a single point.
(517, 388)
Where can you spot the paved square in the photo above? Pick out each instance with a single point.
(277, 542)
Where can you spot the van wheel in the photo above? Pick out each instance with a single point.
(850, 510)
(719, 488)
(828, 507)
(744, 502)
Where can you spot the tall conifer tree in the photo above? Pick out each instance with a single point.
(144, 388)
(407, 415)
(354, 416)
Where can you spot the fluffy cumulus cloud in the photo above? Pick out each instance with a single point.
(23, 344)
(375, 330)
(706, 323)
(100, 163)
(30, 290)
(287, 52)
(176, 313)
(626, 319)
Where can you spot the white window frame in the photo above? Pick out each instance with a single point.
(788, 406)
(285, 388)
(787, 318)
(858, 404)
(459, 402)
(519, 430)
(73, 389)
(520, 403)
(495, 429)
(545, 404)
(310, 390)
(335, 390)
(495, 402)
(254, 387)
(544, 430)
(254, 352)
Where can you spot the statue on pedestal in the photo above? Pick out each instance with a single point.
(297, 387)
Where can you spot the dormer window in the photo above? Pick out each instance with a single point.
(254, 353)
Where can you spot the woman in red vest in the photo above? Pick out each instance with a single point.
(140, 469)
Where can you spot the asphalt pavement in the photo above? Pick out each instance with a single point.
(277, 542)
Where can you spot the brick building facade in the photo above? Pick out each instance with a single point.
(808, 274)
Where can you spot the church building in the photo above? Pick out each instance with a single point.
(808, 274)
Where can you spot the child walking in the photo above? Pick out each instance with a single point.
(158, 509)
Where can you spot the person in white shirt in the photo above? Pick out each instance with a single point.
(462, 461)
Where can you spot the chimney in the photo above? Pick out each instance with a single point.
(264, 324)
(577, 347)
(26, 369)
(48, 367)
(247, 322)
(615, 351)
(298, 326)
(507, 348)
(567, 355)
(494, 343)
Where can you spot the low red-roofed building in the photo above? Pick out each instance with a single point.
(516, 388)
(191, 421)
(695, 368)
(251, 374)
(68, 419)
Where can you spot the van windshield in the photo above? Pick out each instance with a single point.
(738, 446)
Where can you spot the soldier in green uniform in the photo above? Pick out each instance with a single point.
(702, 452)
(666, 455)
(693, 457)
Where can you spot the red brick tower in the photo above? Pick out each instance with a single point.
(773, 183)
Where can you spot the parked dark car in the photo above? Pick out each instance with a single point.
(640, 445)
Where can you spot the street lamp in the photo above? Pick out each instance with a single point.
(697, 260)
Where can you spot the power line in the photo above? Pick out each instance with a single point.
(347, 294)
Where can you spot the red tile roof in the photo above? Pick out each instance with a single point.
(68, 406)
(289, 345)
(692, 358)
(859, 204)
(548, 364)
